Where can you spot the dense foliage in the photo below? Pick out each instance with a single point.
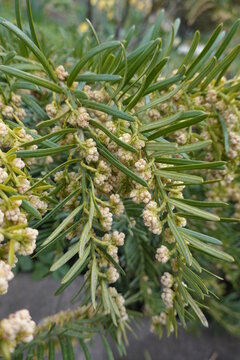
(108, 162)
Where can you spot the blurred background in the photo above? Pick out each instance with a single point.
(202, 14)
(117, 16)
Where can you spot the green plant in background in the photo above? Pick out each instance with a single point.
(92, 177)
(108, 17)
(222, 129)
(208, 12)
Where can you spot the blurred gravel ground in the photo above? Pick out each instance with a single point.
(37, 296)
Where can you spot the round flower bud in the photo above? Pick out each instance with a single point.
(162, 254)
(167, 280)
